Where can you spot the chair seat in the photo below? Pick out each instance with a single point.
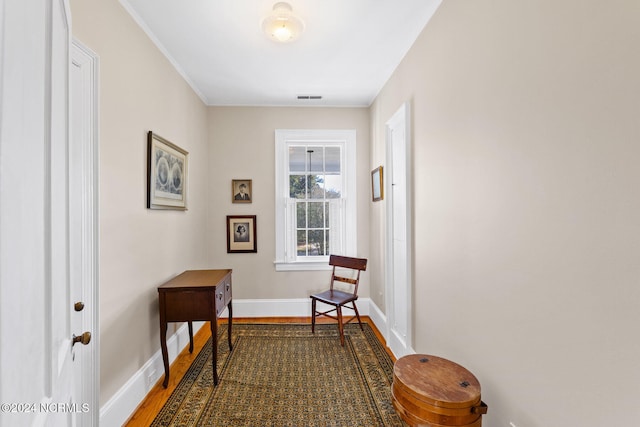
(335, 297)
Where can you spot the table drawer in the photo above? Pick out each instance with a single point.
(220, 300)
(223, 295)
(188, 305)
(227, 289)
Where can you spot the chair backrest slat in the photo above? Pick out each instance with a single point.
(348, 262)
(345, 279)
(358, 264)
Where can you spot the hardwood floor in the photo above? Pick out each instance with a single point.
(158, 395)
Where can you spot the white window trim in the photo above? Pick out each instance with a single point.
(282, 138)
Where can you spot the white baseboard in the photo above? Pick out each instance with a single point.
(121, 406)
(378, 318)
(295, 307)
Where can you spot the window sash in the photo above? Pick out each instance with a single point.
(307, 170)
(342, 211)
(337, 237)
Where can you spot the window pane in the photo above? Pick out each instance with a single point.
(316, 186)
(328, 246)
(316, 215)
(326, 215)
(301, 215)
(332, 159)
(297, 159)
(302, 243)
(333, 186)
(315, 155)
(316, 242)
(297, 186)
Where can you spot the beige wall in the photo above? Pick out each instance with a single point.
(527, 207)
(243, 147)
(139, 248)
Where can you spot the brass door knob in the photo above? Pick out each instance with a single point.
(84, 339)
(78, 306)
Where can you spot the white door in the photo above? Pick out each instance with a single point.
(399, 232)
(37, 269)
(83, 220)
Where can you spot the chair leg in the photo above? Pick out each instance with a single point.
(313, 315)
(340, 326)
(357, 315)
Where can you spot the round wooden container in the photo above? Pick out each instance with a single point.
(433, 392)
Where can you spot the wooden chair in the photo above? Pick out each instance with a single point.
(338, 298)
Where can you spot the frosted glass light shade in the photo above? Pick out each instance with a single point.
(282, 26)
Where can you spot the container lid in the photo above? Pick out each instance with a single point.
(437, 381)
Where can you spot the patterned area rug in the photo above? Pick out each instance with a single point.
(283, 375)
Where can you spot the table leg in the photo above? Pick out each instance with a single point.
(230, 325)
(214, 349)
(190, 336)
(165, 356)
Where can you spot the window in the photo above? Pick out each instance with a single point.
(315, 197)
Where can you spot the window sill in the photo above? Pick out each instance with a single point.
(302, 266)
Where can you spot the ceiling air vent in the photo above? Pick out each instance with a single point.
(309, 97)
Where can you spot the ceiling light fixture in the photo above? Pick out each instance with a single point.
(282, 25)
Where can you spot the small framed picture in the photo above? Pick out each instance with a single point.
(241, 191)
(241, 234)
(377, 190)
(166, 174)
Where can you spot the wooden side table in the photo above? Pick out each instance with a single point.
(193, 296)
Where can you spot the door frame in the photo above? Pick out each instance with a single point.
(88, 64)
(399, 346)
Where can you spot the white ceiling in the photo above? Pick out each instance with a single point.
(347, 52)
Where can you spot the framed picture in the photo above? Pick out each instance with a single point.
(241, 191)
(166, 174)
(241, 234)
(377, 190)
